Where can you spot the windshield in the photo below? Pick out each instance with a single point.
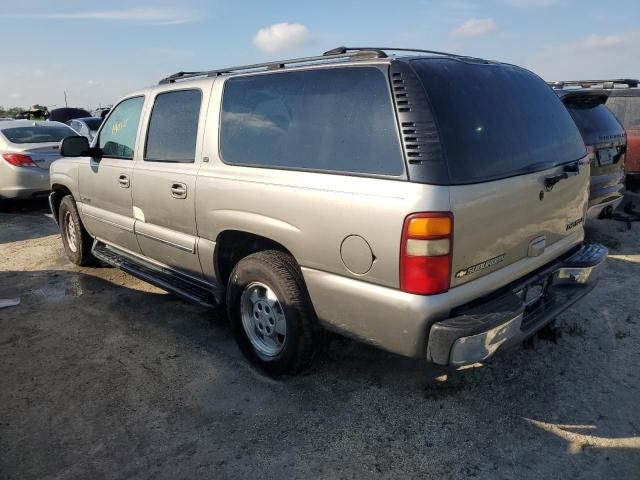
(593, 119)
(37, 133)
(496, 121)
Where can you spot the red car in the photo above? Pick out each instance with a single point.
(625, 104)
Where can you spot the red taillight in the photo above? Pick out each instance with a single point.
(425, 253)
(19, 160)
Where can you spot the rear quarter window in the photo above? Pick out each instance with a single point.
(333, 120)
(496, 121)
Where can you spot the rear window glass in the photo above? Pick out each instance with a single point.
(627, 109)
(173, 128)
(37, 134)
(593, 118)
(93, 123)
(338, 120)
(497, 121)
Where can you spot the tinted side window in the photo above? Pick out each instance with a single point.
(627, 109)
(118, 136)
(338, 119)
(173, 127)
(497, 121)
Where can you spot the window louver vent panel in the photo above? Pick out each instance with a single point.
(418, 130)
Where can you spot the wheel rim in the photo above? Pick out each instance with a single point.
(263, 319)
(72, 238)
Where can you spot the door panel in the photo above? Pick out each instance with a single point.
(164, 182)
(514, 220)
(105, 186)
(166, 228)
(106, 205)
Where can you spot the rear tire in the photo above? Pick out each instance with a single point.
(271, 315)
(75, 238)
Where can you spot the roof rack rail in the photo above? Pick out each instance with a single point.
(339, 53)
(629, 82)
(382, 50)
(275, 65)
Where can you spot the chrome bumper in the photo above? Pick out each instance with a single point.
(595, 210)
(475, 333)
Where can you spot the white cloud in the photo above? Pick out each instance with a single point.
(147, 15)
(474, 27)
(599, 42)
(601, 56)
(531, 3)
(281, 36)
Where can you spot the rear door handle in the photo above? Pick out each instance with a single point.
(179, 190)
(569, 170)
(123, 180)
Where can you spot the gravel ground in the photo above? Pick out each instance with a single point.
(104, 376)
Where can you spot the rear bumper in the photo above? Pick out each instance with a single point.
(477, 332)
(606, 191)
(595, 210)
(21, 182)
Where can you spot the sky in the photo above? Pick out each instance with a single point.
(97, 52)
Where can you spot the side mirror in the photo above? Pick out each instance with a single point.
(77, 146)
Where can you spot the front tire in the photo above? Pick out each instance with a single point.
(75, 238)
(271, 315)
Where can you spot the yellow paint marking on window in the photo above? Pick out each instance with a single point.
(117, 127)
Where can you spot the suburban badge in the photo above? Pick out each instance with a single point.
(480, 266)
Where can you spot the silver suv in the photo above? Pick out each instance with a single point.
(429, 204)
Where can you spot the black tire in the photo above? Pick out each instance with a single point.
(82, 255)
(279, 272)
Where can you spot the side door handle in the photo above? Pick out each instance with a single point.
(178, 190)
(123, 180)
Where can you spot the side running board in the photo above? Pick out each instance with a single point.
(174, 282)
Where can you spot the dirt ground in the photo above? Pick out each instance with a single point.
(104, 376)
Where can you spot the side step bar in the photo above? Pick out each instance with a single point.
(167, 279)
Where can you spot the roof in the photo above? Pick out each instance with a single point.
(605, 84)
(337, 55)
(29, 123)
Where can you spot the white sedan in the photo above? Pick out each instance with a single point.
(27, 149)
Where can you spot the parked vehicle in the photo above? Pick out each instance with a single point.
(429, 204)
(606, 143)
(65, 114)
(101, 112)
(624, 102)
(27, 150)
(87, 127)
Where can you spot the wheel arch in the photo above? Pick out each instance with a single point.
(232, 245)
(58, 192)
